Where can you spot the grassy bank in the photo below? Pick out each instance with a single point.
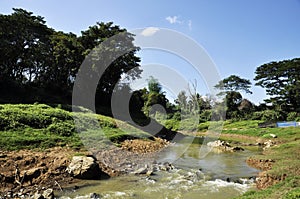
(43, 126)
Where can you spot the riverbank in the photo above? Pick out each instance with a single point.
(41, 140)
(25, 172)
(279, 160)
(276, 164)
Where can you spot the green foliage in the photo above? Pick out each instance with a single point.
(230, 87)
(270, 115)
(153, 85)
(63, 129)
(234, 83)
(38, 63)
(40, 125)
(282, 82)
(294, 194)
(292, 116)
(267, 116)
(202, 127)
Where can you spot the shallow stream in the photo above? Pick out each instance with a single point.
(217, 175)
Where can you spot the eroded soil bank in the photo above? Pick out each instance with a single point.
(26, 171)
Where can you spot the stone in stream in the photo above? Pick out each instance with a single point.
(147, 171)
(94, 196)
(224, 146)
(83, 167)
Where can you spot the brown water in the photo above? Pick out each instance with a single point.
(186, 181)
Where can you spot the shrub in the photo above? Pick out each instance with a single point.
(267, 115)
(63, 129)
(292, 116)
(177, 116)
(205, 115)
(203, 126)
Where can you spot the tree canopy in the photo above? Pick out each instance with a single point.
(230, 87)
(282, 82)
(47, 61)
(234, 83)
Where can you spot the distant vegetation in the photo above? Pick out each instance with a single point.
(40, 64)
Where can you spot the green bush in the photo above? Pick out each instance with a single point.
(203, 126)
(267, 115)
(292, 116)
(205, 116)
(294, 194)
(177, 116)
(63, 129)
(40, 125)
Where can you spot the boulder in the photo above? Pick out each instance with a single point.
(48, 194)
(218, 143)
(222, 146)
(268, 144)
(83, 167)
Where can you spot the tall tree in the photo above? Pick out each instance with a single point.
(282, 82)
(35, 55)
(234, 83)
(182, 100)
(230, 87)
(116, 52)
(24, 45)
(66, 56)
(154, 96)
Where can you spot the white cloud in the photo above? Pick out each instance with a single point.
(147, 32)
(173, 20)
(190, 24)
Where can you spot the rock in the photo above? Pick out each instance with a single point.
(222, 146)
(37, 195)
(48, 194)
(237, 148)
(149, 172)
(83, 167)
(268, 144)
(94, 196)
(141, 171)
(145, 170)
(218, 143)
(273, 135)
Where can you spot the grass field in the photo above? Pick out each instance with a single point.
(43, 126)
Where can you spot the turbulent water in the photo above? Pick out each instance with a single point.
(218, 175)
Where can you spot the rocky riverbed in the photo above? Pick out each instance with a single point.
(37, 173)
(28, 173)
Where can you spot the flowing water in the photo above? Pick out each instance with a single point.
(218, 175)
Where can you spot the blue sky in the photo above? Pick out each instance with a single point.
(238, 35)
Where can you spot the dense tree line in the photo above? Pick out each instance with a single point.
(39, 60)
(38, 63)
